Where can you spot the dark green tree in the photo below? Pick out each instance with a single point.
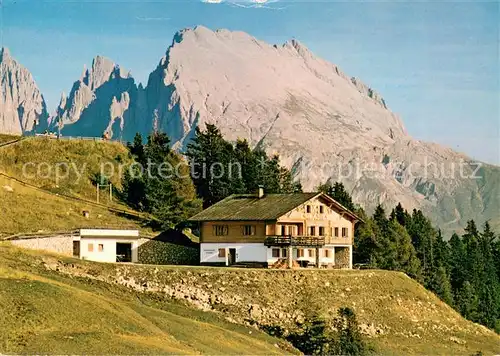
(439, 283)
(349, 340)
(158, 182)
(467, 302)
(317, 338)
(136, 149)
(423, 237)
(220, 168)
(487, 285)
(399, 214)
(458, 270)
(380, 218)
(338, 192)
(366, 248)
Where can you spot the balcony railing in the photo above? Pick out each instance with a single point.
(304, 241)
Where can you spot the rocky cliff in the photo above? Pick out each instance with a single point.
(22, 107)
(323, 123)
(100, 103)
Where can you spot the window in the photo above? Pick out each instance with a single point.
(344, 232)
(276, 252)
(91, 247)
(321, 209)
(284, 253)
(312, 252)
(312, 230)
(321, 231)
(328, 253)
(248, 230)
(221, 230)
(308, 208)
(336, 232)
(300, 252)
(222, 252)
(100, 247)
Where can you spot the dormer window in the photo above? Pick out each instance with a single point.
(308, 209)
(321, 209)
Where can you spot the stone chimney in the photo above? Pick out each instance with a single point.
(260, 192)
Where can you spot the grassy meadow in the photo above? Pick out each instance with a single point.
(43, 312)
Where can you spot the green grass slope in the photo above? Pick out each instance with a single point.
(404, 316)
(44, 155)
(24, 209)
(7, 138)
(44, 312)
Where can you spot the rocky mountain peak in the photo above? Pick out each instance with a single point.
(284, 99)
(101, 96)
(4, 54)
(298, 47)
(22, 107)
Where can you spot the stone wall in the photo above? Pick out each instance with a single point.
(61, 244)
(342, 256)
(158, 252)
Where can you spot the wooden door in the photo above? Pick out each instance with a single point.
(231, 258)
(76, 249)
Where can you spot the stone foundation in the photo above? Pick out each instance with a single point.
(342, 257)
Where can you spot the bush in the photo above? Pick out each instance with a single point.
(316, 337)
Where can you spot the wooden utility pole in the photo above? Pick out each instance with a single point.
(110, 185)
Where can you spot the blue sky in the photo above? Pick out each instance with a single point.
(436, 63)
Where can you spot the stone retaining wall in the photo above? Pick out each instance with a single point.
(157, 252)
(342, 257)
(61, 244)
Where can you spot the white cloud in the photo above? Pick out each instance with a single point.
(247, 4)
(244, 3)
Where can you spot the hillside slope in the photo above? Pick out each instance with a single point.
(36, 161)
(398, 315)
(42, 312)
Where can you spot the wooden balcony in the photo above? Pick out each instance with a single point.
(302, 241)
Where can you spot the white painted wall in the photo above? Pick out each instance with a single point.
(209, 253)
(307, 256)
(245, 252)
(109, 248)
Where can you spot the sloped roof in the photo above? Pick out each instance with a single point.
(249, 207)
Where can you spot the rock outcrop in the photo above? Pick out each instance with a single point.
(324, 124)
(99, 104)
(22, 107)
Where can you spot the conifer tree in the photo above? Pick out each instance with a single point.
(457, 263)
(338, 192)
(159, 183)
(399, 214)
(439, 283)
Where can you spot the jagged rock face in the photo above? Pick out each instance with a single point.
(323, 123)
(99, 104)
(22, 107)
(264, 93)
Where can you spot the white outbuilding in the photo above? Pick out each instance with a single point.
(103, 245)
